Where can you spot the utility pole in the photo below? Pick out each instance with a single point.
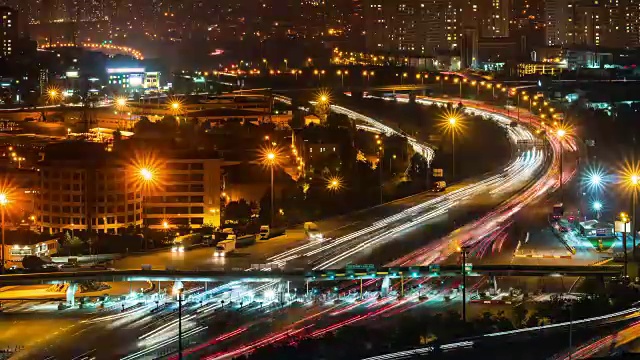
(464, 250)
(180, 323)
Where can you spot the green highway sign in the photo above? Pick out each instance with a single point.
(434, 268)
(468, 267)
(365, 267)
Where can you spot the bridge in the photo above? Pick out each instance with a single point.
(103, 47)
(354, 272)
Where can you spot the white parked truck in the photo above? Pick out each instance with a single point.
(224, 247)
(268, 232)
(312, 231)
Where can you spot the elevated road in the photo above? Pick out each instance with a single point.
(301, 275)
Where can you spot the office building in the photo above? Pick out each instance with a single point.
(609, 23)
(423, 27)
(187, 193)
(83, 187)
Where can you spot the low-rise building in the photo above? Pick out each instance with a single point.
(15, 251)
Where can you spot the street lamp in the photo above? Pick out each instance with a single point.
(180, 295)
(452, 124)
(342, 74)
(334, 183)
(270, 158)
(464, 250)
(624, 218)
(121, 104)
(634, 181)
(3, 204)
(147, 177)
(53, 94)
(597, 206)
(561, 133)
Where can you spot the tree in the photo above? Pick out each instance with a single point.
(297, 120)
(238, 210)
(169, 122)
(335, 121)
(71, 241)
(143, 125)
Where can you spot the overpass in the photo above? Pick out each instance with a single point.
(354, 272)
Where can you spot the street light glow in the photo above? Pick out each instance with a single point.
(452, 121)
(334, 183)
(3, 199)
(121, 102)
(146, 174)
(561, 133)
(597, 205)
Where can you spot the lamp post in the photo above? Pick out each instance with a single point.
(635, 180)
(452, 125)
(597, 206)
(180, 292)
(624, 218)
(121, 104)
(271, 159)
(342, 74)
(147, 176)
(463, 250)
(380, 162)
(3, 204)
(334, 183)
(561, 134)
(176, 107)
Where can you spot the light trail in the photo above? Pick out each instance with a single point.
(475, 233)
(519, 171)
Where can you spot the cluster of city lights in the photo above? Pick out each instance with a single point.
(136, 54)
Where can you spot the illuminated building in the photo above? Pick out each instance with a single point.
(83, 187)
(126, 79)
(9, 31)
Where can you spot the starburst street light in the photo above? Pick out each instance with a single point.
(146, 174)
(121, 102)
(561, 133)
(597, 205)
(271, 158)
(631, 181)
(334, 183)
(595, 178)
(451, 122)
(53, 93)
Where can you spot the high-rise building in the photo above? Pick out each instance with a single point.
(414, 26)
(430, 26)
(9, 31)
(609, 23)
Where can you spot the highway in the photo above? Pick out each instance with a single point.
(486, 234)
(379, 234)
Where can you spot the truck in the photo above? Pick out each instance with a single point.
(224, 247)
(439, 186)
(558, 211)
(180, 243)
(312, 231)
(267, 232)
